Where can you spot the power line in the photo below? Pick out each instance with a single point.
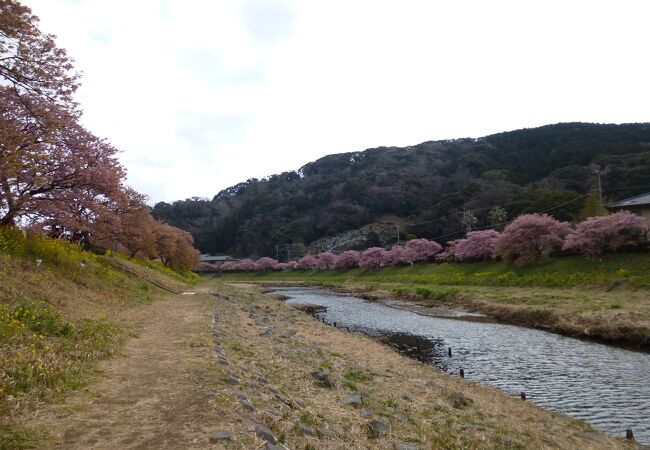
(626, 188)
(510, 221)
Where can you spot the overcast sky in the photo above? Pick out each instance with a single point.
(200, 95)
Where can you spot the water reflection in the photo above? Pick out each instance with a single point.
(603, 385)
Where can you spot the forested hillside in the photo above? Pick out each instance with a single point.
(431, 190)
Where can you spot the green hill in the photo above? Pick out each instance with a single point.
(426, 186)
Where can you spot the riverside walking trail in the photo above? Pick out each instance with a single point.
(231, 367)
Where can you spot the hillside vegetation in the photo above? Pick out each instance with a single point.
(61, 310)
(424, 188)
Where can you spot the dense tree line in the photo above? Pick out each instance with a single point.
(432, 186)
(56, 177)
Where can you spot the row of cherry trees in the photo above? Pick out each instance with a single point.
(56, 176)
(528, 239)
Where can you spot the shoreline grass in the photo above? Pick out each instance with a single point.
(569, 271)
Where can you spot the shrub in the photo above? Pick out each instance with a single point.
(12, 241)
(531, 238)
(424, 292)
(436, 294)
(60, 252)
(372, 258)
(347, 260)
(597, 235)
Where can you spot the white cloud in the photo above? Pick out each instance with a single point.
(201, 95)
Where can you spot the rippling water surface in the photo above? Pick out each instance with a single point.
(606, 386)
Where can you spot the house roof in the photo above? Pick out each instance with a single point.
(639, 200)
(208, 258)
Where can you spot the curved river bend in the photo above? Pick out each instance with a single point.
(606, 386)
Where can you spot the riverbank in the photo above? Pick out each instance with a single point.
(230, 367)
(604, 300)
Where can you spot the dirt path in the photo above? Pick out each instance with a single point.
(257, 370)
(152, 396)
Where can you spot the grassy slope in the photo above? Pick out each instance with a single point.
(603, 298)
(61, 315)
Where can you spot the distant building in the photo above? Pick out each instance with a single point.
(639, 205)
(217, 259)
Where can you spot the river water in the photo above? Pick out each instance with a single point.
(608, 387)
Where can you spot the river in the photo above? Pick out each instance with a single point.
(608, 387)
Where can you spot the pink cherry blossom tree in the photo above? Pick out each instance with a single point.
(228, 266)
(265, 263)
(371, 258)
(531, 238)
(423, 249)
(246, 265)
(393, 256)
(307, 262)
(399, 256)
(348, 260)
(326, 260)
(477, 246)
(597, 235)
(449, 253)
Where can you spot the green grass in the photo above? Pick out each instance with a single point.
(357, 376)
(185, 276)
(308, 418)
(390, 403)
(65, 255)
(570, 271)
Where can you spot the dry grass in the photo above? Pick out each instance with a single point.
(415, 399)
(169, 391)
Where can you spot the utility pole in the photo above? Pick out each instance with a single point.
(600, 192)
(397, 226)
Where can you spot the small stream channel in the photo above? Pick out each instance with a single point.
(606, 386)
